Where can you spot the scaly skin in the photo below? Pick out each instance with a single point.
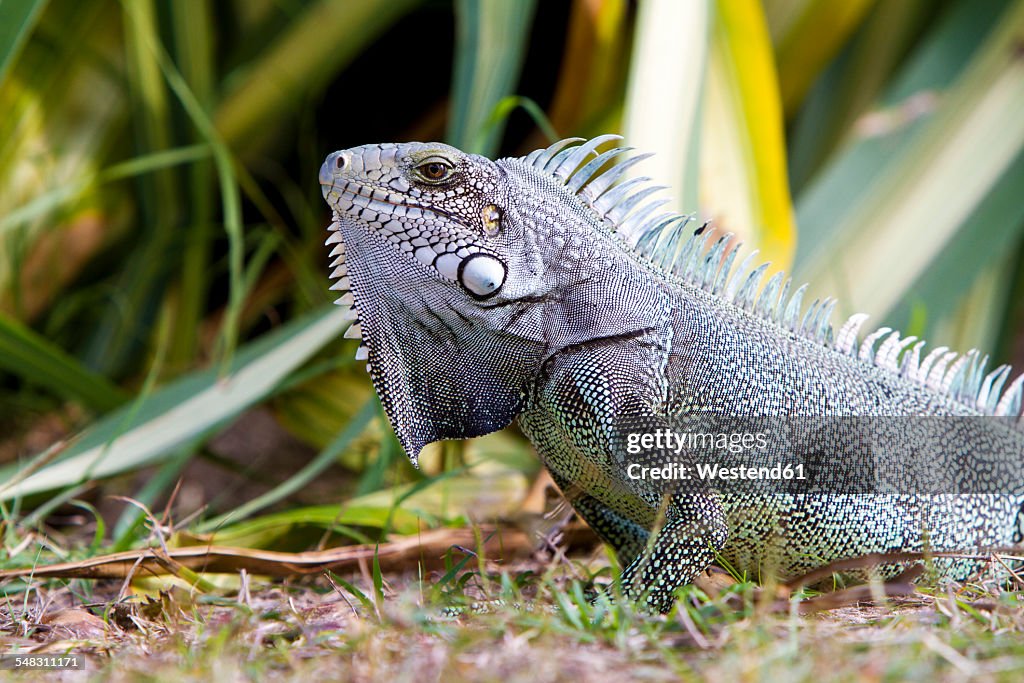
(488, 292)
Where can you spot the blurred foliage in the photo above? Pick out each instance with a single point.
(161, 261)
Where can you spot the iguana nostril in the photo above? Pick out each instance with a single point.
(335, 162)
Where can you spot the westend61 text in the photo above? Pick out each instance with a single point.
(677, 471)
(666, 439)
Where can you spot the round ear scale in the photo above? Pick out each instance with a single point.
(482, 275)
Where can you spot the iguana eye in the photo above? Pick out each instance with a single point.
(481, 275)
(435, 170)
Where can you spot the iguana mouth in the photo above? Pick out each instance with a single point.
(375, 199)
(360, 198)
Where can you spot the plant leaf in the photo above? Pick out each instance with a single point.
(153, 427)
(17, 18)
(489, 47)
(594, 66)
(663, 100)
(34, 359)
(922, 223)
(326, 36)
(852, 83)
(807, 34)
(744, 184)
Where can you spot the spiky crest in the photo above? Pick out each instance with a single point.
(342, 284)
(662, 239)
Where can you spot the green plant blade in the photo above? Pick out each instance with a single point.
(744, 182)
(32, 358)
(400, 509)
(978, 320)
(115, 339)
(489, 47)
(807, 34)
(592, 77)
(193, 50)
(153, 427)
(57, 112)
(327, 35)
(64, 194)
(922, 216)
(847, 179)
(17, 18)
(852, 83)
(663, 100)
(324, 459)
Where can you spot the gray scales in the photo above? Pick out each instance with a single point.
(551, 291)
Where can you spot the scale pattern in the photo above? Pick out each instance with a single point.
(545, 289)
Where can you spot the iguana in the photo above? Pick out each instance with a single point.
(551, 291)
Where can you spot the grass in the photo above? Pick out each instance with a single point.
(328, 627)
(465, 611)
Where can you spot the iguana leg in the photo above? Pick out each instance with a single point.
(625, 536)
(694, 530)
(585, 408)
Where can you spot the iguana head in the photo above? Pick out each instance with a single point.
(466, 274)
